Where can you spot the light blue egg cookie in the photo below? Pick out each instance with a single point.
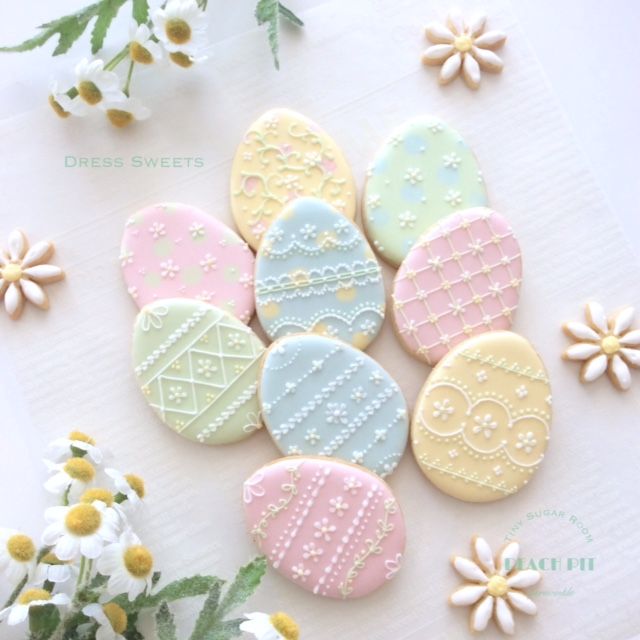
(316, 272)
(320, 396)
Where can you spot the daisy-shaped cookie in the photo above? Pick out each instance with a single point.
(22, 272)
(605, 344)
(461, 46)
(494, 587)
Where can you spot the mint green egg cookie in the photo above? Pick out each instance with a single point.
(197, 366)
(422, 173)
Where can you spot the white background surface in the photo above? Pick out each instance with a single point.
(70, 369)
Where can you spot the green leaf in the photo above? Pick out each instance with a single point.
(267, 12)
(108, 11)
(98, 581)
(286, 13)
(132, 632)
(140, 11)
(245, 583)
(43, 621)
(155, 578)
(226, 630)
(68, 29)
(165, 624)
(208, 617)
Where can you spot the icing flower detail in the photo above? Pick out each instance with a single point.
(336, 413)
(324, 529)
(392, 566)
(522, 392)
(481, 376)
(196, 230)
(169, 269)
(300, 572)
(442, 410)
(351, 485)
(177, 394)
(252, 488)
(312, 436)
(311, 552)
(451, 160)
(526, 442)
(374, 201)
(209, 263)
(407, 220)
(453, 198)
(308, 231)
(358, 394)
(494, 586)
(463, 46)
(605, 344)
(23, 271)
(157, 230)
(485, 425)
(236, 341)
(413, 176)
(338, 506)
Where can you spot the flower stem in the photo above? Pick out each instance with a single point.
(16, 592)
(127, 84)
(117, 59)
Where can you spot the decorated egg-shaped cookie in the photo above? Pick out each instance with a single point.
(175, 250)
(332, 528)
(315, 272)
(197, 366)
(460, 279)
(422, 173)
(320, 396)
(480, 426)
(285, 156)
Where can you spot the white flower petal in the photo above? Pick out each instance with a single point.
(438, 33)
(469, 569)
(437, 54)
(491, 40)
(582, 351)
(34, 293)
(484, 554)
(631, 339)
(13, 300)
(67, 548)
(37, 253)
(508, 558)
(632, 356)
(477, 25)
(620, 372)
(467, 595)
(51, 534)
(581, 331)
(596, 317)
(504, 617)
(524, 578)
(622, 321)
(471, 71)
(18, 613)
(456, 22)
(487, 59)
(450, 68)
(522, 603)
(481, 614)
(44, 272)
(17, 244)
(594, 368)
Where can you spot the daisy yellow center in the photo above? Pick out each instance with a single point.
(51, 558)
(136, 483)
(81, 437)
(285, 626)
(12, 272)
(119, 118)
(463, 43)
(139, 53)
(138, 561)
(116, 617)
(31, 595)
(178, 31)
(181, 59)
(610, 345)
(57, 107)
(89, 92)
(83, 520)
(104, 495)
(21, 548)
(79, 469)
(497, 586)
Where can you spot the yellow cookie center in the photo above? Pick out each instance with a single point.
(21, 548)
(89, 92)
(139, 54)
(136, 483)
(81, 437)
(83, 520)
(31, 595)
(178, 31)
(79, 469)
(463, 43)
(610, 345)
(104, 495)
(497, 586)
(285, 626)
(12, 272)
(116, 616)
(119, 118)
(181, 59)
(138, 561)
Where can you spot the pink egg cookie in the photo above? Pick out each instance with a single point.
(333, 528)
(173, 250)
(461, 278)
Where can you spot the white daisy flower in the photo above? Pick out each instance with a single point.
(461, 46)
(128, 564)
(23, 271)
(96, 85)
(17, 555)
(278, 626)
(180, 26)
(81, 442)
(142, 48)
(64, 105)
(494, 587)
(80, 529)
(52, 569)
(122, 113)
(128, 485)
(111, 618)
(19, 612)
(70, 476)
(603, 344)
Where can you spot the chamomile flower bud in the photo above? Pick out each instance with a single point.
(180, 26)
(111, 618)
(277, 626)
(122, 114)
(95, 85)
(184, 60)
(19, 612)
(143, 48)
(129, 486)
(76, 444)
(76, 473)
(63, 104)
(52, 569)
(17, 555)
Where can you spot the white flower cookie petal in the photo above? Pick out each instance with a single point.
(596, 317)
(620, 373)
(524, 579)
(439, 34)
(17, 244)
(594, 368)
(477, 25)
(508, 557)
(13, 300)
(481, 614)
(491, 40)
(488, 60)
(469, 570)
(522, 603)
(632, 356)
(456, 22)
(467, 595)
(504, 617)
(622, 321)
(450, 68)
(484, 554)
(582, 351)
(38, 253)
(437, 54)
(631, 339)
(34, 294)
(44, 273)
(581, 331)
(471, 72)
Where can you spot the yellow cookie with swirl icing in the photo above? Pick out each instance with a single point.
(285, 156)
(481, 423)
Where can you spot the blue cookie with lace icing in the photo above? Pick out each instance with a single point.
(319, 396)
(315, 272)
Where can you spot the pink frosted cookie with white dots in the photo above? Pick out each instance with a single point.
(173, 250)
(461, 278)
(332, 528)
